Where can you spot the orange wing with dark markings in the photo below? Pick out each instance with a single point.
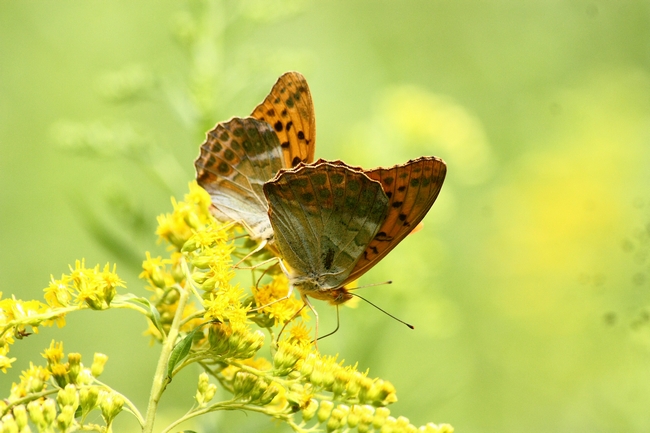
(290, 111)
(238, 156)
(412, 188)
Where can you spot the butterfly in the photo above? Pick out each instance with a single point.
(240, 154)
(334, 222)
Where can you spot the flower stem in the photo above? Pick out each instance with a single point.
(161, 379)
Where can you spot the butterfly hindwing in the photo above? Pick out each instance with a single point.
(236, 159)
(290, 112)
(324, 216)
(412, 188)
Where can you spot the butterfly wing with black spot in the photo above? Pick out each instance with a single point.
(324, 216)
(412, 188)
(236, 159)
(290, 112)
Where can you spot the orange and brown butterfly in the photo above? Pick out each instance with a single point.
(240, 154)
(334, 222)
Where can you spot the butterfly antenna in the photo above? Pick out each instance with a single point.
(382, 310)
(371, 285)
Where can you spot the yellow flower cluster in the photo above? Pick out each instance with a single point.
(267, 297)
(83, 288)
(365, 418)
(76, 394)
(177, 227)
(219, 329)
(299, 379)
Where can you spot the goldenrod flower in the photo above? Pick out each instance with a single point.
(267, 296)
(99, 361)
(58, 293)
(300, 335)
(225, 306)
(34, 379)
(5, 363)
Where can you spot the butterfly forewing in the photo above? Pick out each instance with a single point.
(411, 188)
(324, 216)
(290, 112)
(236, 159)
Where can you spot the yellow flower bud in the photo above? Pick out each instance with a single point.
(245, 344)
(353, 387)
(381, 414)
(201, 262)
(243, 383)
(342, 378)
(68, 396)
(192, 220)
(286, 358)
(74, 366)
(9, 424)
(411, 429)
(65, 418)
(210, 284)
(20, 414)
(49, 411)
(190, 245)
(354, 416)
(381, 393)
(219, 336)
(258, 389)
(335, 421)
(269, 394)
(209, 393)
(324, 410)
(307, 366)
(389, 426)
(36, 413)
(110, 404)
(199, 277)
(88, 399)
(310, 410)
(157, 277)
(317, 377)
(445, 428)
(178, 274)
(99, 361)
(402, 421)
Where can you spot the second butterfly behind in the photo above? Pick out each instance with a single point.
(239, 155)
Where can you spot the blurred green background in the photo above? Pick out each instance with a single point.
(528, 286)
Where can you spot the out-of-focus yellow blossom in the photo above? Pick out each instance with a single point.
(177, 227)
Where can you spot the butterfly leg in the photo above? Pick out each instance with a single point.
(289, 292)
(313, 310)
(277, 340)
(256, 250)
(338, 323)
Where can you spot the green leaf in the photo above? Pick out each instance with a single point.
(180, 352)
(154, 314)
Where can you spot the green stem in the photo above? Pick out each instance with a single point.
(38, 319)
(131, 407)
(229, 405)
(161, 379)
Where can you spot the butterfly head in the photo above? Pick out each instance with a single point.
(312, 288)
